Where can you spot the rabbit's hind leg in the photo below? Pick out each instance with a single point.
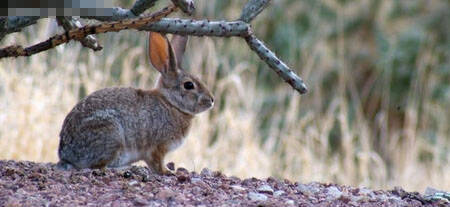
(103, 151)
(93, 146)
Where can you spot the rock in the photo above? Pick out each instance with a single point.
(133, 182)
(307, 189)
(196, 180)
(278, 193)
(366, 193)
(265, 189)
(238, 188)
(165, 193)
(206, 172)
(140, 202)
(127, 174)
(334, 192)
(171, 166)
(290, 202)
(257, 196)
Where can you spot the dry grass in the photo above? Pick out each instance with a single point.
(353, 128)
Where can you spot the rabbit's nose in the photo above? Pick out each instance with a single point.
(212, 100)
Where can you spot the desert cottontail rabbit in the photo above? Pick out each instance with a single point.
(115, 127)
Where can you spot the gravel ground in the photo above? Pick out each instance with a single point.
(41, 184)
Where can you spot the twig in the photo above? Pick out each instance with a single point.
(15, 24)
(141, 5)
(78, 34)
(252, 9)
(199, 27)
(276, 64)
(69, 23)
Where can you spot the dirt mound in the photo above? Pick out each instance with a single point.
(38, 184)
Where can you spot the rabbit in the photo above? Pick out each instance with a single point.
(115, 127)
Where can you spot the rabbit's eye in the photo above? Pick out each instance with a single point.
(188, 85)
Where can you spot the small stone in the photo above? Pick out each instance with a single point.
(165, 194)
(140, 202)
(206, 172)
(237, 188)
(127, 174)
(290, 202)
(171, 166)
(133, 182)
(182, 170)
(196, 180)
(366, 192)
(265, 189)
(278, 193)
(334, 192)
(307, 190)
(257, 196)
(182, 178)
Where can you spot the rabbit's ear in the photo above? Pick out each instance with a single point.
(161, 54)
(179, 45)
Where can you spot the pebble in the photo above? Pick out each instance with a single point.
(171, 166)
(290, 202)
(265, 189)
(278, 193)
(165, 194)
(131, 183)
(257, 196)
(307, 190)
(196, 180)
(334, 192)
(206, 172)
(366, 192)
(237, 188)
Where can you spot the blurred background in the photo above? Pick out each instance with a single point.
(377, 113)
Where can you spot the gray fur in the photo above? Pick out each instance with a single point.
(118, 126)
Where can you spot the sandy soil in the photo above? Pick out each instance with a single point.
(42, 184)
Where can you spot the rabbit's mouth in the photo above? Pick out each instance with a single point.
(205, 103)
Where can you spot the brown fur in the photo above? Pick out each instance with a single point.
(118, 126)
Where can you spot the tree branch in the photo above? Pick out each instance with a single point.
(252, 9)
(240, 28)
(227, 29)
(80, 33)
(69, 23)
(199, 27)
(15, 24)
(276, 64)
(141, 5)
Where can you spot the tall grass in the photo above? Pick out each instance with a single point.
(377, 113)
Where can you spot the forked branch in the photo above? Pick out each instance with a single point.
(83, 32)
(126, 19)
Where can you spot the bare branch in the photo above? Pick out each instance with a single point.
(239, 28)
(252, 9)
(116, 15)
(226, 29)
(15, 24)
(69, 23)
(199, 27)
(276, 64)
(79, 33)
(187, 6)
(141, 5)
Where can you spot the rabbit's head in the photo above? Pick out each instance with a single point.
(181, 89)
